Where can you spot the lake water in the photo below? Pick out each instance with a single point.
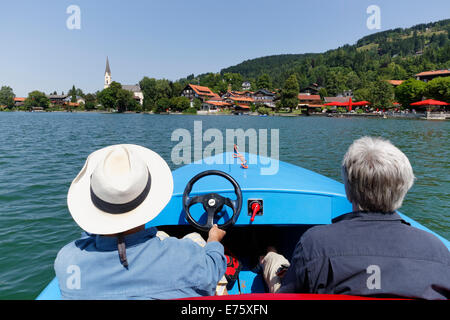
(40, 154)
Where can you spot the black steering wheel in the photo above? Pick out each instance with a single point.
(212, 202)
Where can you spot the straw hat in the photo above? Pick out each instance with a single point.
(119, 188)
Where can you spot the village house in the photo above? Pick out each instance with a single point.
(78, 100)
(265, 98)
(70, 105)
(18, 102)
(430, 75)
(240, 103)
(192, 91)
(395, 83)
(307, 99)
(336, 99)
(240, 100)
(230, 93)
(246, 86)
(215, 105)
(65, 100)
(311, 89)
(312, 102)
(235, 93)
(345, 93)
(58, 99)
(424, 76)
(138, 95)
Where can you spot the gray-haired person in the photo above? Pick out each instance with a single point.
(370, 251)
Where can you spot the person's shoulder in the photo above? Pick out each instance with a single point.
(314, 240)
(187, 246)
(334, 238)
(317, 233)
(70, 250)
(428, 242)
(411, 241)
(177, 245)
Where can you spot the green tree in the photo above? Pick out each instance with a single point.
(438, 88)
(263, 110)
(352, 82)
(176, 88)
(91, 101)
(264, 82)
(114, 97)
(395, 71)
(190, 111)
(74, 93)
(323, 92)
(125, 101)
(410, 91)
(381, 94)
(179, 104)
(303, 81)
(234, 79)
(148, 87)
(155, 89)
(163, 89)
(37, 99)
(362, 94)
(197, 103)
(336, 79)
(183, 103)
(289, 94)
(108, 96)
(162, 105)
(7, 96)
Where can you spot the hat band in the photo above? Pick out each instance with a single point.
(118, 208)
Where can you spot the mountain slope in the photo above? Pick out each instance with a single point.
(392, 54)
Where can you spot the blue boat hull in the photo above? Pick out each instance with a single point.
(292, 197)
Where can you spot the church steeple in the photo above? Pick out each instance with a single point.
(107, 74)
(107, 70)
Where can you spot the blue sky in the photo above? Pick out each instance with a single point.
(172, 39)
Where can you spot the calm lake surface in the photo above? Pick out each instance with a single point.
(40, 154)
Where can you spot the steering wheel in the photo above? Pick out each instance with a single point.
(212, 202)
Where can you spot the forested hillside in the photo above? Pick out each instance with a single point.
(392, 54)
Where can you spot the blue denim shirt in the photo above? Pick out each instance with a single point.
(90, 268)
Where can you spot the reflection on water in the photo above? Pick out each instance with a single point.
(41, 153)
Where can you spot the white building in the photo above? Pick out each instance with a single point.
(246, 86)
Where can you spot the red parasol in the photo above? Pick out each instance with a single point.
(335, 103)
(430, 102)
(361, 103)
(348, 104)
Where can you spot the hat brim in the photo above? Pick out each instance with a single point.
(95, 221)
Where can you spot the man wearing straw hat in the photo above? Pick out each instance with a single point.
(119, 190)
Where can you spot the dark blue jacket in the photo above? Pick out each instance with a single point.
(370, 254)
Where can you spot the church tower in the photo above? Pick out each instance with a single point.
(107, 74)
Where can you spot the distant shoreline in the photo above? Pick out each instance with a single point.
(409, 116)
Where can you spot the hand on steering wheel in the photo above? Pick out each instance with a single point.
(212, 202)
